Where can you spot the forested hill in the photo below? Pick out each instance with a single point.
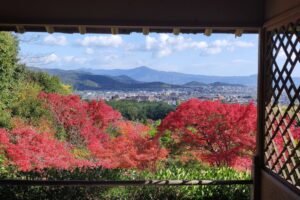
(81, 80)
(150, 75)
(87, 81)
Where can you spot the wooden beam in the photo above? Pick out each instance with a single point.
(49, 29)
(208, 31)
(122, 29)
(238, 32)
(282, 19)
(114, 30)
(145, 31)
(20, 29)
(274, 8)
(176, 31)
(82, 29)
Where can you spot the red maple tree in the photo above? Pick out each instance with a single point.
(29, 150)
(81, 119)
(286, 136)
(214, 132)
(131, 147)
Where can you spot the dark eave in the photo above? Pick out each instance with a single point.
(125, 16)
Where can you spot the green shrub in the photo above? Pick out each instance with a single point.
(188, 172)
(174, 171)
(8, 63)
(48, 83)
(59, 192)
(27, 105)
(5, 117)
(142, 111)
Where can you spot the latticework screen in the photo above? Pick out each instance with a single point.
(282, 95)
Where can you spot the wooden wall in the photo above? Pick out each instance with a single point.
(272, 189)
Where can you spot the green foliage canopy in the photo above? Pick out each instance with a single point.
(142, 111)
(8, 64)
(20, 86)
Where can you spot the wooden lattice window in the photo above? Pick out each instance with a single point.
(282, 102)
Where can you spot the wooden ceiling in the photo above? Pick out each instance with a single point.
(125, 16)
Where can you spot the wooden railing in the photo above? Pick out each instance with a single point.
(123, 183)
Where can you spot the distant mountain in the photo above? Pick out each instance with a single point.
(125, 79)
(146, 74)
(226, 84)
(195, 84)
(87, 81)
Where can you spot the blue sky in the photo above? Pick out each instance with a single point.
(219, 54)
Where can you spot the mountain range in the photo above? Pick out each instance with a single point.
(144, 78)
(147, 74)
(87, 81)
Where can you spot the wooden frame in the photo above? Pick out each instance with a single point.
(268, 17)
(278, 154)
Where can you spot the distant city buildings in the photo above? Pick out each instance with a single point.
(229, 94)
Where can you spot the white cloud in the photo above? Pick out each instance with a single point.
(165, 45)
(213, 50)
(164, 52)
(75, 60)
(110, 58)
(240, 43)
(230, 43)
(50, 58)
(221, 43)
(101, 41)
(38, 60)
(56, 40)
(68, 58)
(89, 51)
(150, 42)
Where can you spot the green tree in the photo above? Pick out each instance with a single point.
(19, 86)
(48, 83)
(8, 64)
(27, 105)
(142, 111)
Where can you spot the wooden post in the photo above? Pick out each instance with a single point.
(259, 157)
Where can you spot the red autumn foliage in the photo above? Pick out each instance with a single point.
(102, 114)
(30, 150)
(4, 140)
(215, 132)
(69, 110)
(288, 133)
(132, 148)
(87, 119)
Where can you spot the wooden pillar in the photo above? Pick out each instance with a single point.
(259, 157)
